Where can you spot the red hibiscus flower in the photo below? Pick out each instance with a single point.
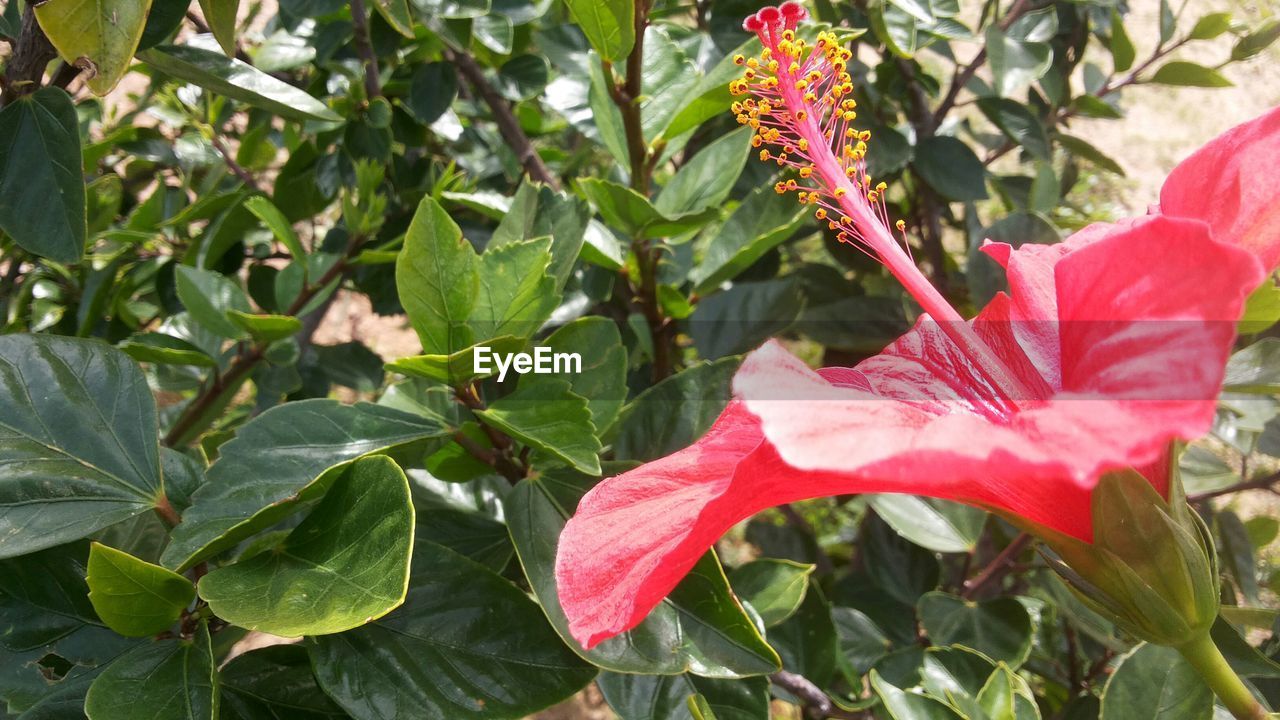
(1107, 348)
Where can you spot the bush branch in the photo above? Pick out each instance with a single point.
(32, 53)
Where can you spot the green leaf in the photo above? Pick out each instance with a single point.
(1261, 309)
(274, 682)
(672, 414)
(775, 588)
(861, 641)
(1237, 554)
(165, 679)
(744, 316)
(760, 223)
(707, 179)
(807, 641)
(438, 278)
(431, 91)
(78, 441)
(1019, 124)
(1257, 41)
(1122, 50)
(547, 416)
(523, 77)
(602, 380)
(237, 80)
(1255, 369)
(132, 596)
(938, 525)
(277, 223)
(1211, 26)
(516, 294)
(156, 347)
(99, 35)
(608, 24)
(351, 364)
(221, 17)
(265, 328)
(999, 628)
(1156, 683)
(458, 368)
(42, 192)
(285, 456)
(396, 13)
(537, 211)
(698, 627)
(666, 697)
(1180, 72)
(465, 644)
(210, 297)
(951, 168)
(903, 705)
(620, 206)
(711, 97)
(1006, 696)
(468, 533)
(347, 563)
(1082, 149)
(1016, 63)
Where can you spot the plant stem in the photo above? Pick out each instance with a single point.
(508, 125)
(32, 52)
(1207, 659)
(364, 48)
(997, 568)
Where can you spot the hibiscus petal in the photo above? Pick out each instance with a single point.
(1231, 183)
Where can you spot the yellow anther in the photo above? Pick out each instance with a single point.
(846, 220)
(780, 188)
(864, 136)
(806, 172)
(791, 184)
(753, 63)
(841, 192)
(820, 214)
(739, 59)
(810, 97)
(901, 225)
(802, 115)
(764, 156)
(773, 66)
(756, 141)
(849, 116)
(872, 196)
(881, 187)
(813, 196)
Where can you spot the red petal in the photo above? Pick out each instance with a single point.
(1232, 184)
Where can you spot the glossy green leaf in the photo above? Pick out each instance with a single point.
(1018, 123)
(999, 628)
(775, 588)
(280, 458)
(221, 17)
(666, 697)
(466, 644)
(1082, 149)
(467, 533)
(1016, 63)
(458, 368)
(739, 319)
(42, 192)
(1256, 41)
(902, 705)
(1006, 696)
(537, 211)
(265, 328)
(602, 380)
(431, 91)
(675, 412)
(523, 77)
(546, 415)
(98, 35)
(1181, 72)
(760, 223)
(1156, 683)
(277, 223)
(217, 73)
(351, 364)
(164, 679)
(1255, 369)
(347, 563)
(608, 24)
(1122, 50)
(951, 168)
(396, 13)
(78, 441)
(155, 347)
(209, 297)
(706, 179)
(438, 278)
(516, 294)
(938, 525)
(700, 627)
(274, 682)
(807, 641)
(132, 596)
(861, 642)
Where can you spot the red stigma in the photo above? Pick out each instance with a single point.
(769, 16)
(752, 24)
(772, 20)
(794, 13)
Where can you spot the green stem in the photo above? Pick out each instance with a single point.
(1207, 659)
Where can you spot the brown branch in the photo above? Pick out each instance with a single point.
(1266, 482)
(32, 53)
(248, 358)
(508, 126)
(997, 568)
(364, 48)
(815, 701)
(245, 176)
